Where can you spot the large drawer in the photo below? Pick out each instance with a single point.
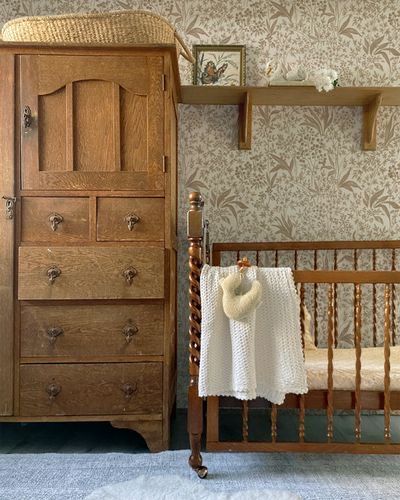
(90, 273)
(55, 220)
(87, 331)
(90, 389)
(130, 219)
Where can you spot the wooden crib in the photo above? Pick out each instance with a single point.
(328, 399)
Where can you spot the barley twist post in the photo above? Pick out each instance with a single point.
(195, 404)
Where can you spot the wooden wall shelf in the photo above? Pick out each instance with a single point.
(370, 98)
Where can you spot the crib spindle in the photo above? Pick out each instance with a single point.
(245, 421)
(302, 315)
(276, 258)
(295, 260)
(316, 300)
(355, 268)
(274, 415)
(257, 258)
(335, 294)
(302, 414)
(386, 406)
(302, 397)
(393, 287)
(374, 313)
(357, 339)
(331, 312)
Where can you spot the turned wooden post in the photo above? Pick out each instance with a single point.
(387, 339)
(331, 339)
(301, 398)
(357, 342)
(195, 404)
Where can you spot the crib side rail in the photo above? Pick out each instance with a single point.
(253, 246)
(356, 277)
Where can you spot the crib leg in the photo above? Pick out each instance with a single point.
(195, 429)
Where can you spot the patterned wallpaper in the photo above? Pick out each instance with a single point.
(306, 177)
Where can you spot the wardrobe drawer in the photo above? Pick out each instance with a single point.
(90, 389)
(90, 273)
(55, 220)
(130, 219)
(89, 331)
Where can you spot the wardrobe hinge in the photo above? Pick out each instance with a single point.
(164, 164)
(10, 206)
(163, 82)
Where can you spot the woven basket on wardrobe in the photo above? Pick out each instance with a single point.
(123, 27)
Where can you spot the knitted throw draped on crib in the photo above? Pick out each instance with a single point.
(260, 356)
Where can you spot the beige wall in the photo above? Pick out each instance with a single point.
(306, 177)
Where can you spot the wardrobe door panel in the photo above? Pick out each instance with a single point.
(92, 123)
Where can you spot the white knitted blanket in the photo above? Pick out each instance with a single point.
(260, 355)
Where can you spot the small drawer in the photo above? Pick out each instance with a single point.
(90, 273)
(89, 331)
(55, 220)
(90, 389)
(130, 219)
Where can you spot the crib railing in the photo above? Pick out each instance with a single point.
(369, 268)
(376, 255)
(328, 400)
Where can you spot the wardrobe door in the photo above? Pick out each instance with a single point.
(91, 122)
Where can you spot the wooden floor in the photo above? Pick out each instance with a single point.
(100, 437)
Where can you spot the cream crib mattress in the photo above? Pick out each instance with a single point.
(344, 360)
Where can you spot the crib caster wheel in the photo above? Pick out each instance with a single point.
(202, 472)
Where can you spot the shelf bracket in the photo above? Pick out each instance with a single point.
(245, 122)
(370, 114)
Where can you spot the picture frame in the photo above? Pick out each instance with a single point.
(219, 65)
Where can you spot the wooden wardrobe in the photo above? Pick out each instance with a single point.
(88, 235)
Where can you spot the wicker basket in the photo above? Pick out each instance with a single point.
(126, 27)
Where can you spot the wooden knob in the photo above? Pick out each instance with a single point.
(195, 200)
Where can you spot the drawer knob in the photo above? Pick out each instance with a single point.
(129, 331)
(129, 274)
(55, 220)
(53, 273)
(53, 390)
(129, 390)
(132, 220)
(53, 333)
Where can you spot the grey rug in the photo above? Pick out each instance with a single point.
(172, 486)
(317, 477)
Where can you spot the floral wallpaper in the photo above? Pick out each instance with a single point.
(306, 177)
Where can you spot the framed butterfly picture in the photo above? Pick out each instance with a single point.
(219, 65)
